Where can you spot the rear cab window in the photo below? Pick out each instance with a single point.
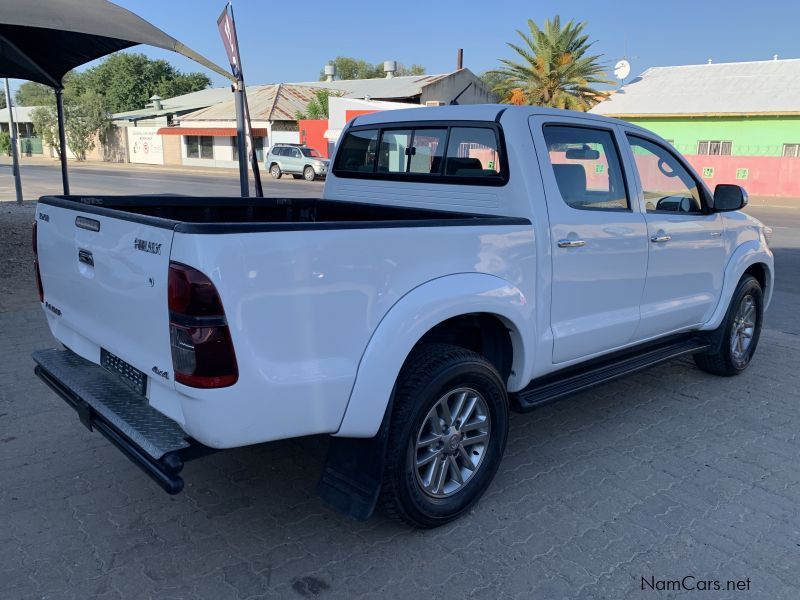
(433, 152)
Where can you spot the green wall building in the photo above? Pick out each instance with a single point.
(736, 109)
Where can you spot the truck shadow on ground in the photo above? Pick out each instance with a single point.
(277, 481)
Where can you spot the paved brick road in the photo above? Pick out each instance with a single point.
(668, 473)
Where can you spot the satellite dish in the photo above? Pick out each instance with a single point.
(622, 69)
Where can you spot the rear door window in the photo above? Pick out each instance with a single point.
(587, 167)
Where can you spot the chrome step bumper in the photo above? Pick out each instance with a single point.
(155, 443)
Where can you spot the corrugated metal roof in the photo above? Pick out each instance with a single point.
(183, 103)
(22, 114)
(759, 87)
(381, 88)
(278, 102)
(219, 131)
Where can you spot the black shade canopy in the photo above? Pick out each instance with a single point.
(41, 40)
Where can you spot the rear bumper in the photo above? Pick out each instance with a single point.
(152, 441)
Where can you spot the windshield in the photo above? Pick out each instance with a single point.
(310, 152)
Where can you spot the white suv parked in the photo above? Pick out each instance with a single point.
(296, 160)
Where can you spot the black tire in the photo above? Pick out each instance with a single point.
(275, 171)
(309, 174)
(427, 377)
(724, 361)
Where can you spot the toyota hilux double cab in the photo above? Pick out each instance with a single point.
(464, 262)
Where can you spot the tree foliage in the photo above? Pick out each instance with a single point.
(356, 68)
(2, 99)
(86, 117)
(31, 93)
(121, 82)
(556, 69)
(318, 107)
(127, 81)
(46, 126)
(5, 143)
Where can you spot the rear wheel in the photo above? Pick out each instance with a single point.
(309, 174)
(275, 171)
(739, 331)
(448, 434)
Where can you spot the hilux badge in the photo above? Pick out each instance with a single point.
(147, 246)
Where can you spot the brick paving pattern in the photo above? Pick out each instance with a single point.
(665, 474)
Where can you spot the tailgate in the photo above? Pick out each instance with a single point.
(105, 285)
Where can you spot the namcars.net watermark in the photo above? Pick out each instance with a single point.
(690, 583)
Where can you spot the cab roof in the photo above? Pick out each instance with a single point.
(470, 112)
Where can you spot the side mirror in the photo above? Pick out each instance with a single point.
(728, 196)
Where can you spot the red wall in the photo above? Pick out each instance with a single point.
(349, 115)
(312, 134)
(766, 175)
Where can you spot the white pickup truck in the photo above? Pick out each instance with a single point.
(465, 261)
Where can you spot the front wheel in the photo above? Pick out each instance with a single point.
(739, 331)
(309, 174)
(448, 432)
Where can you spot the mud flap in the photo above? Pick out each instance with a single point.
(353, 471)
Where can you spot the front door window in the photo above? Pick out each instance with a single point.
(667, 185)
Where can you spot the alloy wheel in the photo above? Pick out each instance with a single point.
(744, 325)
(451, 443)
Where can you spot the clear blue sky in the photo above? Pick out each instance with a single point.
(292, 40)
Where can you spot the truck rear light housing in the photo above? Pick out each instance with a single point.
(35, 246)
(202, 350)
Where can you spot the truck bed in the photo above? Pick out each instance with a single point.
(216, 214)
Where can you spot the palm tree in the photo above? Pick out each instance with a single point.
(556, 69)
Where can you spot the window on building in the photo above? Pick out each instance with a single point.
(587, 167)
(667, 185)
(199, 146)
(792, 150)
(714, 147)
(258, 143)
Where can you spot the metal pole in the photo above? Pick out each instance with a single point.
(62, 140)
(240, 145)
(13, 133)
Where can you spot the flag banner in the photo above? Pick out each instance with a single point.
(227, 30)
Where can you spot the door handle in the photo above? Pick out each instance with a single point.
(657, 239)
(571, 243)
(85, 257)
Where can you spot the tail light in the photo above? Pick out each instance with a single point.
(34, 245)
(202, 350)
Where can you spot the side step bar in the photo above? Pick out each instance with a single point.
(152, 441)
(572, 380)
